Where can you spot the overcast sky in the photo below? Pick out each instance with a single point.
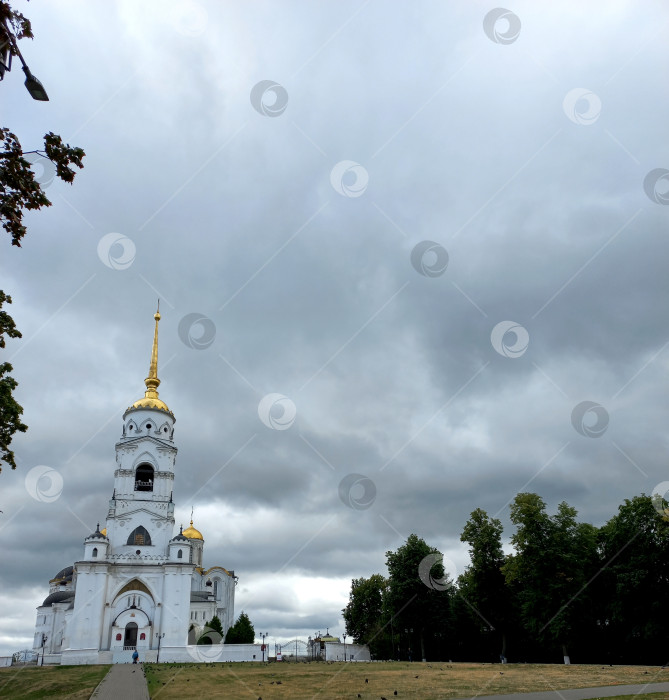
(403, 241)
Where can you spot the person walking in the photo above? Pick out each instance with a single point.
(135, 656)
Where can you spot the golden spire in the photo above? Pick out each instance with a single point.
(152, 382)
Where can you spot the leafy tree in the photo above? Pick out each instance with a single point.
(19, 192)
(418, 604)
(241, 632)
(364, 613)
(555, 559)
(483, 585)
(633, 588)
(10, 409)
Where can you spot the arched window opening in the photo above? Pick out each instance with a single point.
(144, 478)
(180, 554)
(95, 551)
(139, 536)
(216, 589)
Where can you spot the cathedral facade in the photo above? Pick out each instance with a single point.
(137, 585)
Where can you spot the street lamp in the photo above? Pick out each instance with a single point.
(44, 638)
(159, 636)
(262, 648)
(33, 85)
(344, 647)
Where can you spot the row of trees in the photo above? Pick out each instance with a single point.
(569, 589)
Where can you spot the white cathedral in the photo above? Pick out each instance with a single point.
(137, 586)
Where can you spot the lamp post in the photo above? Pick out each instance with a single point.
(409, 631)
(44, 638)
(262, 647)
(33, 85)
(159, 636)
(344, 647)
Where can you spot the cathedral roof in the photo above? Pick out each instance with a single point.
(179, 537)
(58, 597)
(64, 574)
(192, 533)
(97, 535)
(152, 382)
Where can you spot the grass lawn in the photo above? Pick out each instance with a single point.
(36, 682)
(418, 681)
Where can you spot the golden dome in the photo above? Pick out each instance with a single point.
(147, 402)
(104, 531)
(192, 533)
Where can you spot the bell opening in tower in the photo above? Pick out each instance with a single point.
(144, 478)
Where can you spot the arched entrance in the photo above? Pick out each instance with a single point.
(130, 635)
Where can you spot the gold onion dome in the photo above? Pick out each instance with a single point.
(152, 382)
(192, 533)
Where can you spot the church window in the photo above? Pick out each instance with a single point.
(139, 536)
(95, 551)
(216, 590)
(144, 478)
(180, 554)
(148, 426)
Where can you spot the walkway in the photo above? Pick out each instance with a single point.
(124, 681)
(582, 693)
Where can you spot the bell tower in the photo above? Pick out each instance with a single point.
(141, 512)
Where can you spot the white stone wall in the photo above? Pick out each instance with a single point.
(334, 651)
(218, 653)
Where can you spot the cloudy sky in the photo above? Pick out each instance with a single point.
(397, 246)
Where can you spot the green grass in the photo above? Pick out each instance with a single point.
(37, 682)
(416, 681)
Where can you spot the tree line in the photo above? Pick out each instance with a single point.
(569, 591)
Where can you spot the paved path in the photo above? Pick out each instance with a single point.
(124, 681)
(582, 693)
